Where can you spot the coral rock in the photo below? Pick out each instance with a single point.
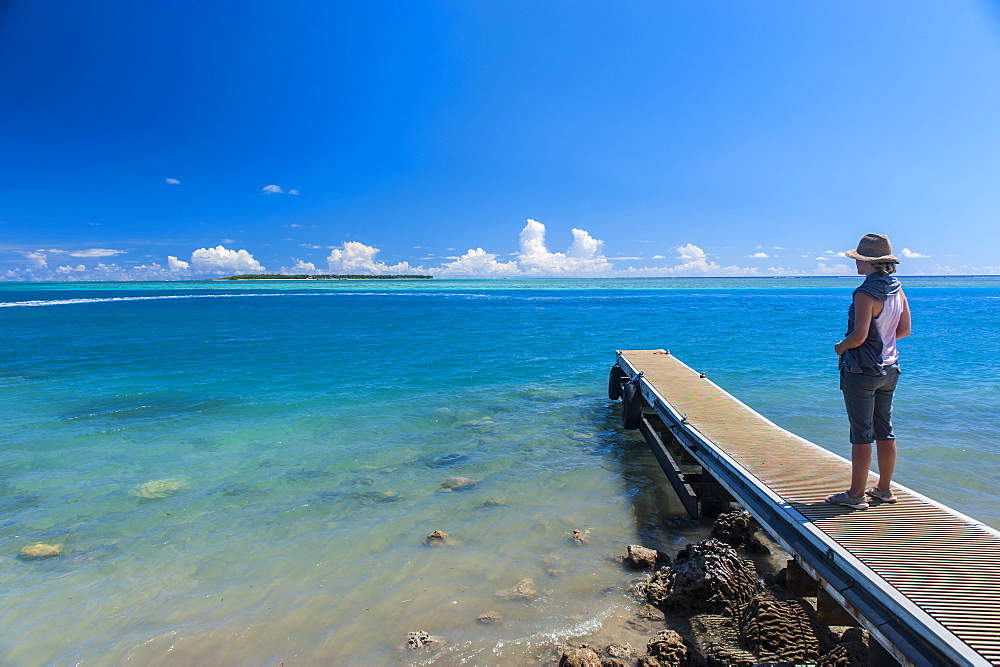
(707, 576)
(489, 617)
(437, 538)
(523, 590)
(39, 550)
(620, 651)
(419, 639)
(779, 630)
(640, 557)
(737, 529)
(583, 656)
(458, 483)
(852, 651)
(668, 648)
(159, 488)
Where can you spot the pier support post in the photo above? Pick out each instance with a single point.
(878, 656)
(829, 611)
(799, 582)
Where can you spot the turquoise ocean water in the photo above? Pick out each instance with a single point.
(306, 429)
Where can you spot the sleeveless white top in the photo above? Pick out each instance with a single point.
(886, 323)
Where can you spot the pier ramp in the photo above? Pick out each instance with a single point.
(922, 578)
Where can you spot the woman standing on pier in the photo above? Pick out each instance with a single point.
(869, 368)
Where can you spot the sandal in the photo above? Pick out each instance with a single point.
(847, 500)
(884, 496)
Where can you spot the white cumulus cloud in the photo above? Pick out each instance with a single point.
(354, 257)
(695, 262)
(171, 181)
(293, 192)
(220, 260)
(299, 267)
(909, 254)
(759, 255)
(477, 262)
(71, 269)
(175, 264)
(582, 258)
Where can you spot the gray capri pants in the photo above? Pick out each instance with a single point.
(869, 404)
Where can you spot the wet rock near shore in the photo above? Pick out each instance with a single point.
(646, 620)
(458, 483)
(489, 618)
(778, 631)
(707, 576)
(372, 497)
(524, 591)
(436, 539)
(420, 639)
(579, 538)
(641, 558)
(39, 551)
(159, 488)
(667, 647)
(581, 656)
(738, 529)
(587, 655)
(623, 652)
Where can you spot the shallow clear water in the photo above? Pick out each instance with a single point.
(308, 428)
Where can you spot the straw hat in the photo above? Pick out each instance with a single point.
(873, 248)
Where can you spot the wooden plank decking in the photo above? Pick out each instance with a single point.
(924, 579)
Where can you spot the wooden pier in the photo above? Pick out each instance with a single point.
(923, 579)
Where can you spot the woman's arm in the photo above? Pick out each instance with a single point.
(864, 307)
(903, 328)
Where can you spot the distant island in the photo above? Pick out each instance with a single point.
(274, 276)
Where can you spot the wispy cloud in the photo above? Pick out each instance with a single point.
(278, 190)
(38, 258)
(96, 252)
(171, 181)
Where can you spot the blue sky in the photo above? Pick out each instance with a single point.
(155, 140)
